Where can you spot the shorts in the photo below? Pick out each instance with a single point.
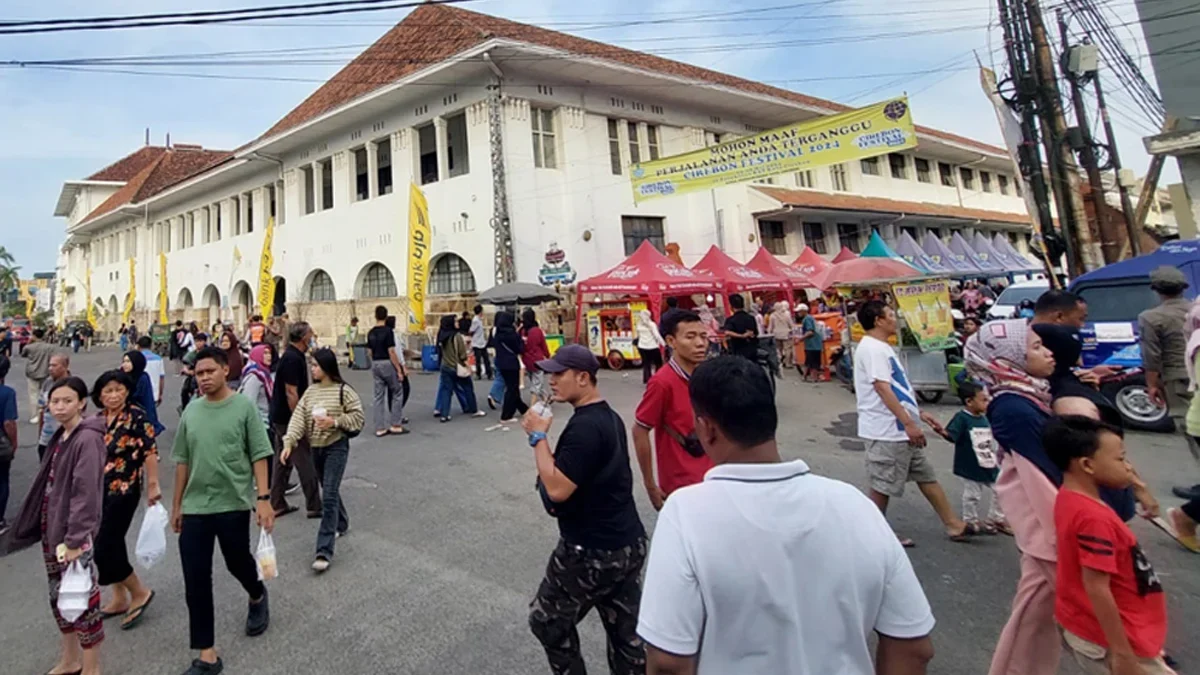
(812, 359)
(891, 464)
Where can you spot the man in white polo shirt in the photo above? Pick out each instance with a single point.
(764, 568)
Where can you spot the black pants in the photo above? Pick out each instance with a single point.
(232, 531)
(482, 360)
(5, 467)
(512, 394)
(1192, 510)
(577, 580)
(301, 459)
(112, 558)
(651, 362)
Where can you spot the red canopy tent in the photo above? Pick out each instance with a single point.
(736, 277)
(645, 274)
(865, 269)
(844, 255)
(764, 261)
(810, 262)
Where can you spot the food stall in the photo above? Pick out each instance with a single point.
(642, 281)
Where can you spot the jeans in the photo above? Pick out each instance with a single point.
(5, 467)
(232, 530)
(463, 390)
(124, 343)
(388, 402)
(512, 395)
(498, 389)
(330, 461)
(483, 362)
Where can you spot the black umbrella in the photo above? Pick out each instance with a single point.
(518, 292)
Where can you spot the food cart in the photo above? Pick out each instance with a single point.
(642, 281)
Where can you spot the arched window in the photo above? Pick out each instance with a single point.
(378, 282)
(320, 289)
(451, 274)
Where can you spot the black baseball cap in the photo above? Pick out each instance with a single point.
(571, 357)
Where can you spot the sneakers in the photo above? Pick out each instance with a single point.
(320, 564)
(480, 413)
(343, 533)
(258, 618)
(199, 667)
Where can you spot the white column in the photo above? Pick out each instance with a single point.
(318, 171)
(373, 170)
(443, 149)
(404, 159)
(341, 178)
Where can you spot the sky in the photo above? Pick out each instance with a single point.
(64, 124)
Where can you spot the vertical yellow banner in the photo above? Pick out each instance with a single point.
(132, 297)
(266, 280)
(162, 289)
(419, 237)
(91, 302)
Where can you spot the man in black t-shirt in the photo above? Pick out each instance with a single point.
(587, 484)
(387, 373)
(291, 379)
(741, 330)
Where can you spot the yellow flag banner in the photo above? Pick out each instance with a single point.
(925, 306)
(266, 280)
(132, 297)
(91, 303)
(162, 289)
(855, 134)
(419, 237)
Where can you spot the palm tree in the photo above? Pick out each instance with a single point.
(6, 258)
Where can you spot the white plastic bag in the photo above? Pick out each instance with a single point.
(152, 539)
(265, 556)
(74, 591)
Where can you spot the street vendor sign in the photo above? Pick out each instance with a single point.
(925, 306)
(856, 134)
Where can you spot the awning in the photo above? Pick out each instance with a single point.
(648, 272)
(736, 277)
(961, 265)
(844, 255)
(907, 248)
(810, 262)
(987, 266)
(1001, 243)
(765, 261)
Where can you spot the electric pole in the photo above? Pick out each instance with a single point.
(1114, 158)
(505, 266)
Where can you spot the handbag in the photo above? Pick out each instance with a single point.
(349, 433)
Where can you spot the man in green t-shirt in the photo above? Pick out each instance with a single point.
(814, 342)
(221, 452)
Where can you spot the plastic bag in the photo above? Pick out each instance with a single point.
(74, 591)
(265, 556)
(152, 539)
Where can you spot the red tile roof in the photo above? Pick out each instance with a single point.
(171, 166)
(432, 33)
(130, 165)
(849, 202)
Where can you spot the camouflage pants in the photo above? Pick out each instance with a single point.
(577, 580)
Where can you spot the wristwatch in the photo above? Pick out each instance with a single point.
(536, 437)
(263, 498)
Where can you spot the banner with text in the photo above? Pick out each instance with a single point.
(833, 139)
(91, 302)
(162, 289)
(266, 280)
(925, 306)
(419, 238)
(132, 297)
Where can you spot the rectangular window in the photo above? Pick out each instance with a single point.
(383, 166)
(870, 166)
(271, 208)
(652, 140)
(326, 184)
(277, 205)
(772, 234)
(362, 183)
(1002, 181)
(189, 232)
(614, 147)
(249, 197)
(922, 170)
(636, 229)
(544, 155)
(635, 148)
(456, 145)
(946, 174)
(837, 173)
(764, 180)
(310, 198)
(236, 227)
(985, 181)
(910, 231)
(968, 178)
(216, 209)
(899, 165)
(427, 143)
(814, 236)
(804, 179)
(848, 236)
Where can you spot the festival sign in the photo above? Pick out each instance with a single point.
(130, 299)
(162, 289)
(420, 238)
(266, 279)
(926, 309)
(833, 139)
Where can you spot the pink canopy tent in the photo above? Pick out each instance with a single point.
(865, 269)
(810, 262)
(736, 277)
(844, 255)
(765, 262)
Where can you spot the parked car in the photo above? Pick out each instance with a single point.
(1006, 303)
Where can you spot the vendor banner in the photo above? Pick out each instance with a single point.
(162, 288)
(130, 299)
(925, 306)
(855, 134)
(419, 240)
(266, 277)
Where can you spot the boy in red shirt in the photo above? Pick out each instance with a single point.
(1108, 601)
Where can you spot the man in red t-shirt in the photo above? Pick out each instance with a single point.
(1108, 601)
(667, 409)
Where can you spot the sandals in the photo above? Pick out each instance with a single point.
(134, 615)
(393, 431)
(906, 542)
(381, 434)
(998, 527)
(970, 529)
(104, 616)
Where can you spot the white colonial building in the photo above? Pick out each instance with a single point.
(414, 108)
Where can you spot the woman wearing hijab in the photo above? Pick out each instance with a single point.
(649, 344)
(536, 350)
(134, 365)
(453, 351)
(229, 344)
(258, 384)
(782, 326)
(509, 347)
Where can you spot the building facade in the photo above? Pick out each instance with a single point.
(573, 115)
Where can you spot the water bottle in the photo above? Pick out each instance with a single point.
(543, 409)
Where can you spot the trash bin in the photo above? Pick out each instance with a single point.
(362, 356)
(429, 359)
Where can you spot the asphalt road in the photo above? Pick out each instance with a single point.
(449, 541)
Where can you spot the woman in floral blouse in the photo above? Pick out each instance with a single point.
(129, 437)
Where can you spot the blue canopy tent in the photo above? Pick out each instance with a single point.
(987, 266)
(1001, 244)
(959, 265)
(984, 248)
(907, 248)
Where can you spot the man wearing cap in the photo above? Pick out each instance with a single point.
(1164, 343)
(814, 343)
(587, 484)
